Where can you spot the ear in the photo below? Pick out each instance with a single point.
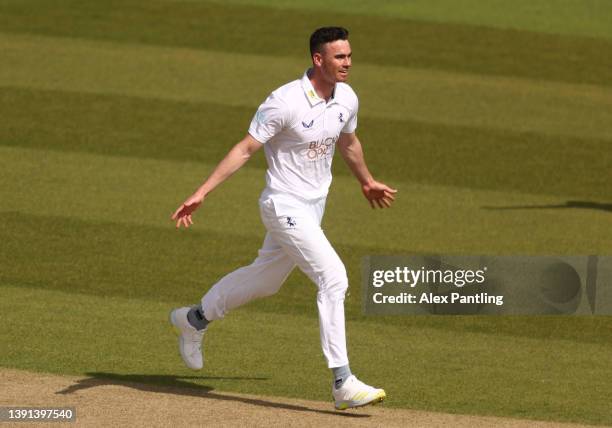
(317, 59)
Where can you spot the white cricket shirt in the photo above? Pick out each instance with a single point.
(299, 131)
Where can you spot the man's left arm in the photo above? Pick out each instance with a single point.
(376, 192)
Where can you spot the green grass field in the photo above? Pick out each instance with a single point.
(112, 112)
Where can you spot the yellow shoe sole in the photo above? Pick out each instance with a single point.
(378, 398)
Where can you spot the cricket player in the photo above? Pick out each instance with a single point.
(299, 127)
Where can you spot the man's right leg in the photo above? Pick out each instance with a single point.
(261, 278)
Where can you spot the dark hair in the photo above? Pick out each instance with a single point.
(325, 35)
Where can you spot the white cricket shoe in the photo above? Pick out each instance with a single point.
(190, 339)
(354, 393)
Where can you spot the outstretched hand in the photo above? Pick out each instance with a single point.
(183, 213)
(379, 194)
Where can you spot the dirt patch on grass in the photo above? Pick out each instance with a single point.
(115, 400)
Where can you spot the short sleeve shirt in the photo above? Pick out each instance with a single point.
(299, 131)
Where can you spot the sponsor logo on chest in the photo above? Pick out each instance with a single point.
(321, 148)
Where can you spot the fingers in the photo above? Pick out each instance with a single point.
(387, 189)
(176, 213)
(182, 215)
(182, 218)
(388, 195)
(383, 202)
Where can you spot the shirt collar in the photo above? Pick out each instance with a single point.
(311, 94)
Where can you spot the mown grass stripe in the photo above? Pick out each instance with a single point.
(246, 80)
(249, 29)
(587, 17)
(398, 150)
(429, 219)
(114, 259)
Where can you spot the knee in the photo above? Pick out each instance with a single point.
(334, 281)
(268, 290)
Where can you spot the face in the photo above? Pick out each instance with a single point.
(334, 61)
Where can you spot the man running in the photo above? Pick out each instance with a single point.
(299, 125)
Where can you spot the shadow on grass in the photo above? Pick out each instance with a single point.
(178, 385)
(569, 204)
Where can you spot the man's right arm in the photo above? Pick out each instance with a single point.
(235, 158)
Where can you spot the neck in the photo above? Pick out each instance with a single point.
(323, 88)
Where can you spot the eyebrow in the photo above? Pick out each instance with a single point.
(343, 55)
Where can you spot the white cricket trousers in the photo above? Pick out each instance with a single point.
(294, 237)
